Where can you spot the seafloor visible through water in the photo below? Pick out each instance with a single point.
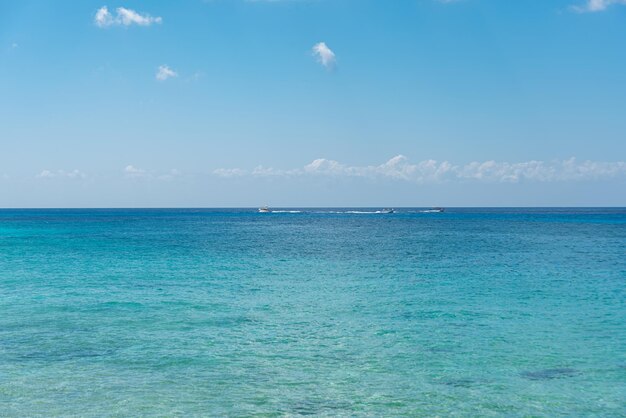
(471, 312)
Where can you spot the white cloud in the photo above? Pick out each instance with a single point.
(134, 172)
(123, 17)
(324, 166)
(164, 72)
(324, 55)
(103, 18)
(49, 174)
(596, 5)
(129, 17)
(431, 171)
(398, 168)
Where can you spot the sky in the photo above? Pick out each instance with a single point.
(303, 103)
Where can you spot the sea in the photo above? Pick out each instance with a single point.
(336, 312)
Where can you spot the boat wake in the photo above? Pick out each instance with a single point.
(351, 212)
(366, 212)
(354, 212)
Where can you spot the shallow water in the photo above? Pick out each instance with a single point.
(472, 312)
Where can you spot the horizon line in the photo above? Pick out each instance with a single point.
(299, 207)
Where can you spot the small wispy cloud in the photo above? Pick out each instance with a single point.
(229, 172)
(123, 17)
(170, 175)
(432, 171)
(14, 45)
(324, 55)
(73, 174)
(134, 172)
(164, 72)
(591, 6)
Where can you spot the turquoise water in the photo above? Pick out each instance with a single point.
(473, 312)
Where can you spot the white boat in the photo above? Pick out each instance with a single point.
(264, 209)
(387, 211)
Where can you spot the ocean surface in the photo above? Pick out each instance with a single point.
(323, 312)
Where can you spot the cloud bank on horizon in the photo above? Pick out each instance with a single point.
(399, 168)
(428, 171)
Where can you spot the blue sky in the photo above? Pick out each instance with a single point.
(312, 103)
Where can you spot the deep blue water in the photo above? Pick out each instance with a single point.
(472, 312)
